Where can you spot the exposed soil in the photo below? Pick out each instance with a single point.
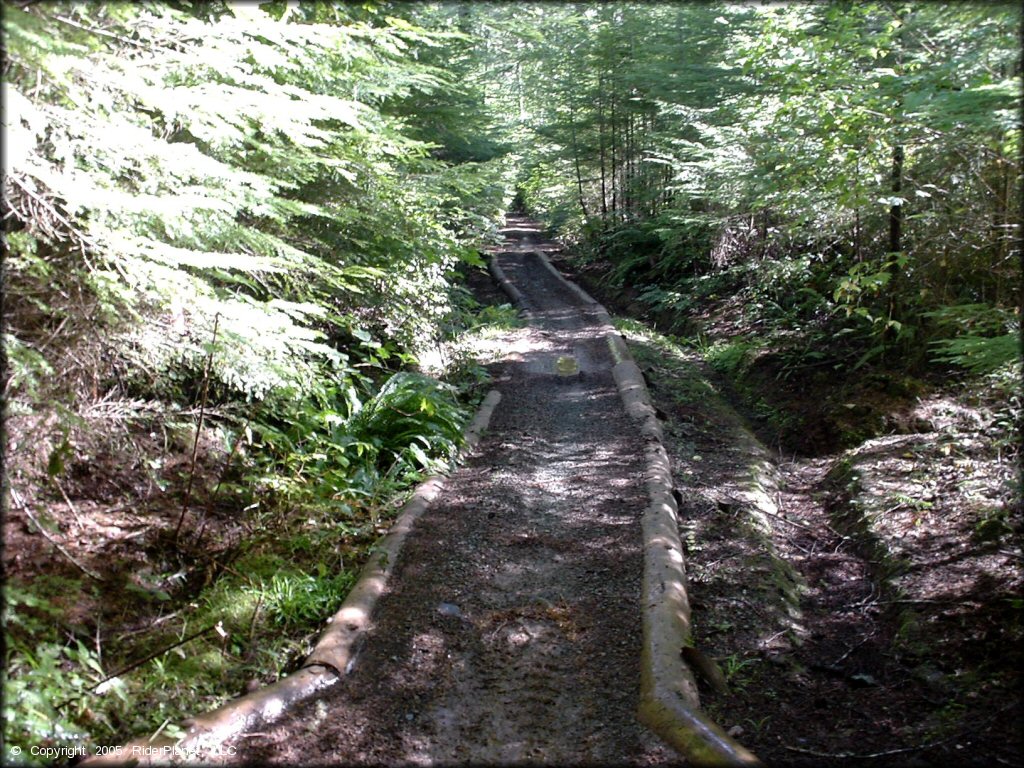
(510, 631)
(93, 537)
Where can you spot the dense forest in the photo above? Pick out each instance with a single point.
(237, 241)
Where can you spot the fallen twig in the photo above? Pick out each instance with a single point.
(55, 334)
(901, 750)
(870, 755)
(67, 501)
(149, 627)
(199, 428)
(498, 629)
(21, 503)
(140, 662)
(766, 643)
(871, 599)
(909, 601)
(160, 729)
(851, 649)
(928, 745)
(826, 526)
(785, 519)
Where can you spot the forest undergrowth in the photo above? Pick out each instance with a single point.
(131, 607)
(819, 206)
(890, 535)
(235, 337)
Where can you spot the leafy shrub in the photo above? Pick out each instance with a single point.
(411, 417)
(979, 354)
(661, 300)
(981, 344)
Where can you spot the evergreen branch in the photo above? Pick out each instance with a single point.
(100, 32)
(48, 230)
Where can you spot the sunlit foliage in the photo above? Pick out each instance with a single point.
(879, 143)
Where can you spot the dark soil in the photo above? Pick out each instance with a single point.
(102, 548)
(510, 631)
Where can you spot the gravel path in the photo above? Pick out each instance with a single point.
(510, 631)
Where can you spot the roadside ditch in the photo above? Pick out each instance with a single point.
(854, 604)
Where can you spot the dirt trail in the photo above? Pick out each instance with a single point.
(510, 631)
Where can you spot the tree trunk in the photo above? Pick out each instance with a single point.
(896, 210)
(600, 141)
(615, 167)
(576, 161)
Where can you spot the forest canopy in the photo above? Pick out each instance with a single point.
(863, 159)
(308, 173)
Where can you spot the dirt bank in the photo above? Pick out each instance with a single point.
(864, 605)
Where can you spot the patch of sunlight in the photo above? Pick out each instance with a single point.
(566, 365)
(234, 604)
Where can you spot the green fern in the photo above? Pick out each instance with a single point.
(979, 354)
(412, 416)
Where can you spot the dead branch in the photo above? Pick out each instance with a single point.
(67, 501)
(869, 755)
(199, 427)
(143, 660)
(21, 503)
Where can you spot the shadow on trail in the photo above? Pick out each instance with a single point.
(510, 631)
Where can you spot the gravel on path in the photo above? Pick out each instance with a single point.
(510, 631)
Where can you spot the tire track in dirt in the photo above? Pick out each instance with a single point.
(510, 631)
